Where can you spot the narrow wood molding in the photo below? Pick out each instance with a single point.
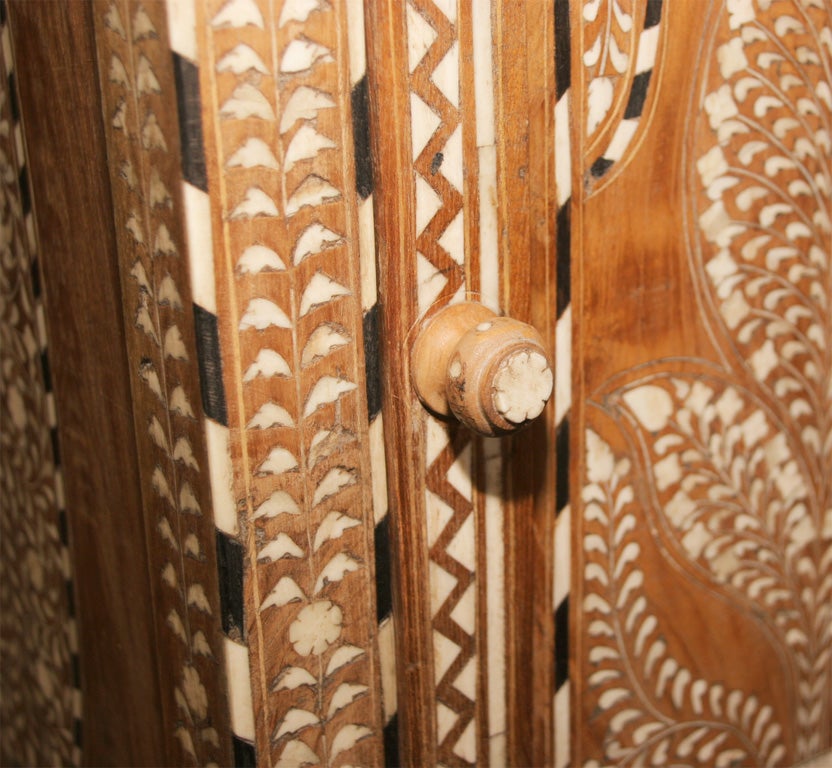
(394, 213)
(61, 105)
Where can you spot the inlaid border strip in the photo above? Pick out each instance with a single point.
(450, 83)
(197, 212)
(144, 127)
(371, 336)
(276, 88)
(563, 384)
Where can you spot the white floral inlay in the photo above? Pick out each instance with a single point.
(522, 386)
(317, 627)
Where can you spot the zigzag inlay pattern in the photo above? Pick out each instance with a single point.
(437, 150)
(453, 558)
(441, 211)
(279, 151)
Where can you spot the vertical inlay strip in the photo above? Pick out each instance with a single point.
(562, 540)
(280, 151)
(483, 57)
(139, 75)
(495, 544)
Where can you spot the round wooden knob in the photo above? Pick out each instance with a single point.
(490, 372)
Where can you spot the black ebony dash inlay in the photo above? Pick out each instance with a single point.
(391, 743)
(384, 591)
(186, 76)
(372, 352)
(360, 99)
(210, 365)
(563, 50)
(230, 570)
(562, 643)
(245, 755)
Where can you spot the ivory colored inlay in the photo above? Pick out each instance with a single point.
(522, 386)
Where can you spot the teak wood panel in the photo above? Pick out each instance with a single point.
(702, 243)
(61, 116)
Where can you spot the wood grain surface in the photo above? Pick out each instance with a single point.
(61, 117)
(524, 59)
(394, 217)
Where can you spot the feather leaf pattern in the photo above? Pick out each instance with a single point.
(730, 463)
(301, 409)
(763, 205)
(609, 29)
(143, 140)
(642, 690)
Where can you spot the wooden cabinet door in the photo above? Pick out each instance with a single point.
(308, 567)
(702, 445)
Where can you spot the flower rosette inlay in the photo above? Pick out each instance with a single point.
(317, 627)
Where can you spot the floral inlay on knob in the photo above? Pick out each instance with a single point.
(490, 372)
(522, 386)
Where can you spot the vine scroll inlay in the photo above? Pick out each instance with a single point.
(728, 463)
